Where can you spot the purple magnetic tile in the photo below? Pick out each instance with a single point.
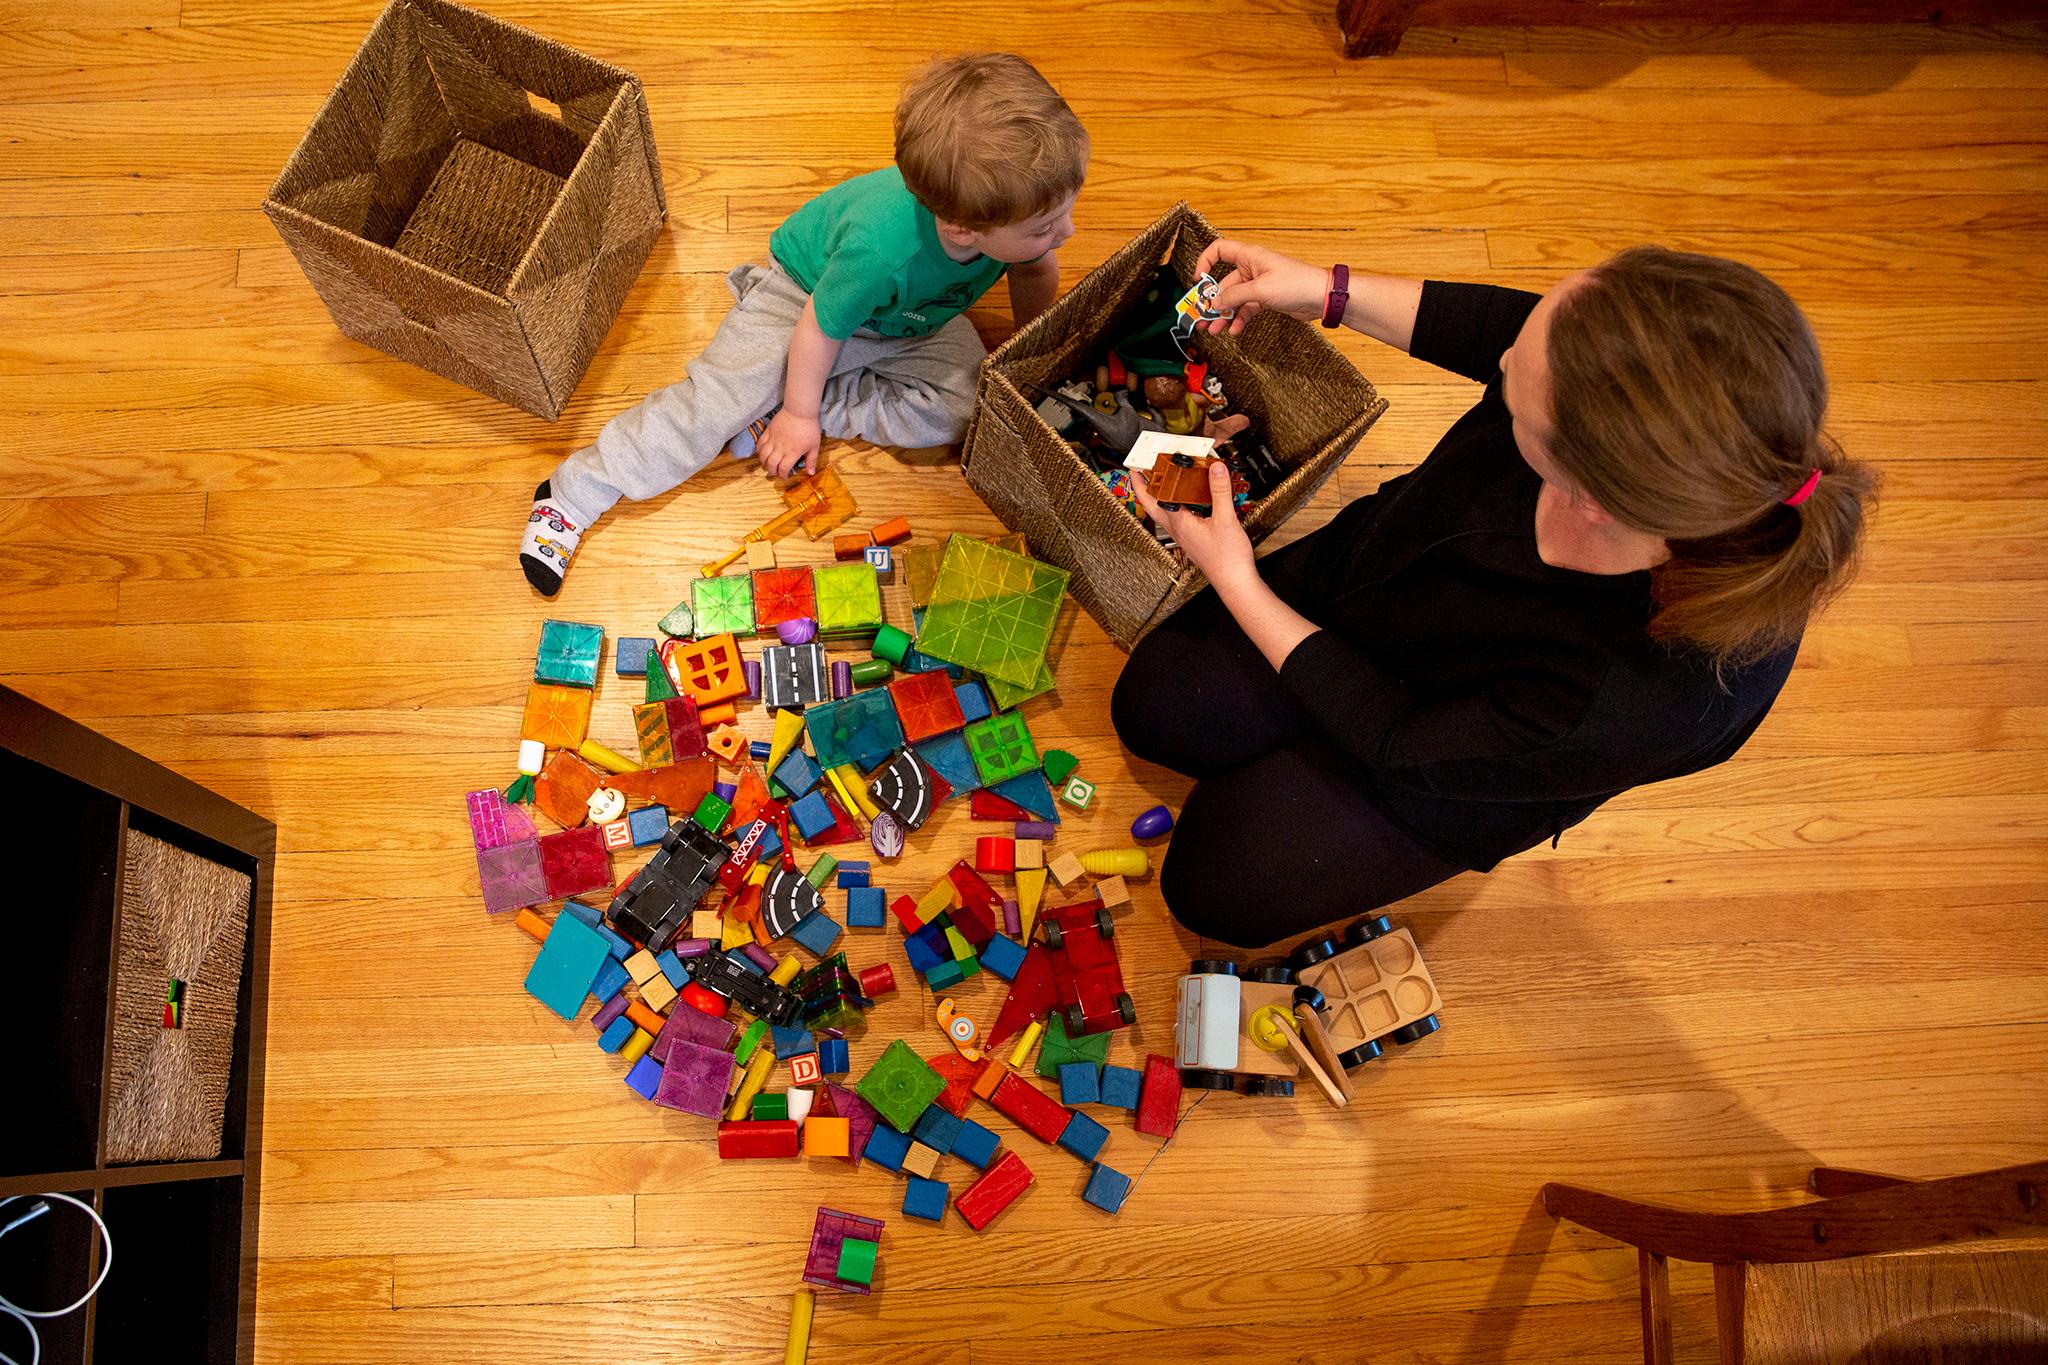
(610, 1010)
(487, 819)
(860, 1119)
(519, 824)
(1013, 919)
(695, 1079)
(688, 1024)
(511, 876)
(842, 679)
(751, 670)
(1036, 829)
(759, 956)
(691, 947)
(828, 1235)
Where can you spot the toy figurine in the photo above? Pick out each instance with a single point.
(1177, 407)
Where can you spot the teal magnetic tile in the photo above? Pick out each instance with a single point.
(569, 961)
(569, 653)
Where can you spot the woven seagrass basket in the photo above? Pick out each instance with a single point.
(449, 218)
(1309, 401)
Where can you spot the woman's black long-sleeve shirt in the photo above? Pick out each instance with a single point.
(1490, 699)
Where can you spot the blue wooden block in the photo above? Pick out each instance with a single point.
(617, 946)
(1107, 1189)
(936, 1128)
(1079, 1083)
(832, 1057)
(946, 974)
(567, 966)
(817, 932)
(1120, 1086)
(759, 749)
(924, 1199)
(975, 1144)
(1084, 1137)
(887, 1147)
(648, 825)
(672, 967)
(973, 701)
(866, 907)
(1003, 956)
(851, 876)
(924, 954)
(611, 979)
(947, 756)
(792, 1042)
(590, 915)
(811, 815)
(798, 773)
(616, 1033)
(645, 1077)
(629, 656)
(771, 846)
(739, 955)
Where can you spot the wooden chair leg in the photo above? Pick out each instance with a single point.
(1373, 28)
(1730, 1284)
(1830, 1181)
(1652, 1270)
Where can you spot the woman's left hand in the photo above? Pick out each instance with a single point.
(1215, 544)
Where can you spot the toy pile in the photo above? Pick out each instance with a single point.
(1147, 401)
(692, 967)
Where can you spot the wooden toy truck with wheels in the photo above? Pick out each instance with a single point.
(1375, 988)
(1080, 946)
(1262, 1026)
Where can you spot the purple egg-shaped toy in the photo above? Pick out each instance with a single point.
(800, 630)
(1152, 823)
(885, 832)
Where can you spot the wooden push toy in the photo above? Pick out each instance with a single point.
(1376, 989)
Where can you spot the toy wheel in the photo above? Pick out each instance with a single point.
(1077, 1022)
(1368, 929)
(1105, 923)
(1125, 1010)
(1198, 1079)
(1278, 1086)
(1055, 937)
(1273, 974)
(1359, 1056)
(1211, 966)
(1310, 996)
(1420, 1029)
(1309, 954)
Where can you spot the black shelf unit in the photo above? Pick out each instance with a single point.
(183, 1288)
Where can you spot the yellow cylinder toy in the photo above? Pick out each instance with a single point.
(799, 1347)
(1116, 862)
(758, 1067)
(611, 760)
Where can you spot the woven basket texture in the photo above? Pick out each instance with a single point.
(1309, 401)
(447, 218)
(183, 916)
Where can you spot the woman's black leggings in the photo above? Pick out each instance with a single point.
(1280, 834)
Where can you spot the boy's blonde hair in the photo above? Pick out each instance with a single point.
(984, 141)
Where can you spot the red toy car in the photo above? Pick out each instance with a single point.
(1088, 981)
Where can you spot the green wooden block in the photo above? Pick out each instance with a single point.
(944, 975)
(1058, 1049)
(723, 606)
(899, 1086)
(750, 1040)
(857, 1260)
(771, 1104)
(992, 611)
(1059, 765)
(849, 599)
(1002, 747)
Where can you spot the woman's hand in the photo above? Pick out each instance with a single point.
(1215, 544)
(790, 441)
(1263, 279)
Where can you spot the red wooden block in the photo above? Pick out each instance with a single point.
(975, 916)
(986, 805)
(926, 704)
(993, 853)
(904, 908)
(1030, 1108)
(958, 1073)
(1159, 1098)
(997, 1189)
(757, 1137)
(894, 531)
(852, 545)
(876, 981)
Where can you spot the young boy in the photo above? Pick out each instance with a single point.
(856, 327)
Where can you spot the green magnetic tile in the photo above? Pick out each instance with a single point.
(1008, 695)
(1058, 1049)
(899, 1086)
(723, 606)
(569, 653)
(1002, 747)
(849, 598)
(992, 611)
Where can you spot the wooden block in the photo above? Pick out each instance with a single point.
(643, 1017)
(1113, 891)
(850, 546)
(706, 924)
(534, 923)
(657, 992)
(1030, 854)
(728, 743)
(760, 555)
(1066, 869)
(894, 531)
(922, 1160)
(989, 1077)
(641, 966)
(828, 1136)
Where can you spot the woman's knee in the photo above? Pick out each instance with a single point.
(1205, 881)
(1141, 704)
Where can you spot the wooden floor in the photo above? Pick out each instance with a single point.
(283, 564)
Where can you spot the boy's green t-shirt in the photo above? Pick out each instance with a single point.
(870, 256)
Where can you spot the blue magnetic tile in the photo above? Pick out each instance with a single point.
(672, 967)
(611, 979)
(1029, 791)
(645, 1077)
(811, 815)
(567, 965)
(1120, 1085)
(1084, 1137)
(832, 1057)
(629, 656)
(887, 1147)
(975, 1144)
(925, 1199)
(792, 1042)
(616, 1033)
(1080, 1083)
(798, 774)
(1003, 956)
(817, 932)
(947, 756)
(866, 907)
(973, 702)
(1107, 1189)
(936, 1128)
(648, 825)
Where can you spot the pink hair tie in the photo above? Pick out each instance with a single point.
(1805, 490)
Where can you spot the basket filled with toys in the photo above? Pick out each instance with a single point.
(1114, 377)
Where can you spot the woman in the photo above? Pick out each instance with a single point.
(1597, 579)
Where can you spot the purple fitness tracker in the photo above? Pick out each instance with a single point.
(1340, 296)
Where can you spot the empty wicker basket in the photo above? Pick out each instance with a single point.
(448, 217)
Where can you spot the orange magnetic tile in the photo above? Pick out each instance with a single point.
(557, 716)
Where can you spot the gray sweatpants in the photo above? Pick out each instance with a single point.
(893, 391)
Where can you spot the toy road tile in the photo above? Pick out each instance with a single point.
(992, 611)
(783, 595)
(849, 598)
(926, 705)
(723, 606)
(899, 1085)
(1002, 747)
(569, 653)
(557, 716)
(794, 675)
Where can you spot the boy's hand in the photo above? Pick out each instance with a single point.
(1263, 279)
(1215, 544)
(790, 441)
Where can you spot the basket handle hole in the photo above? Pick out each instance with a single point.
(541, 104)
